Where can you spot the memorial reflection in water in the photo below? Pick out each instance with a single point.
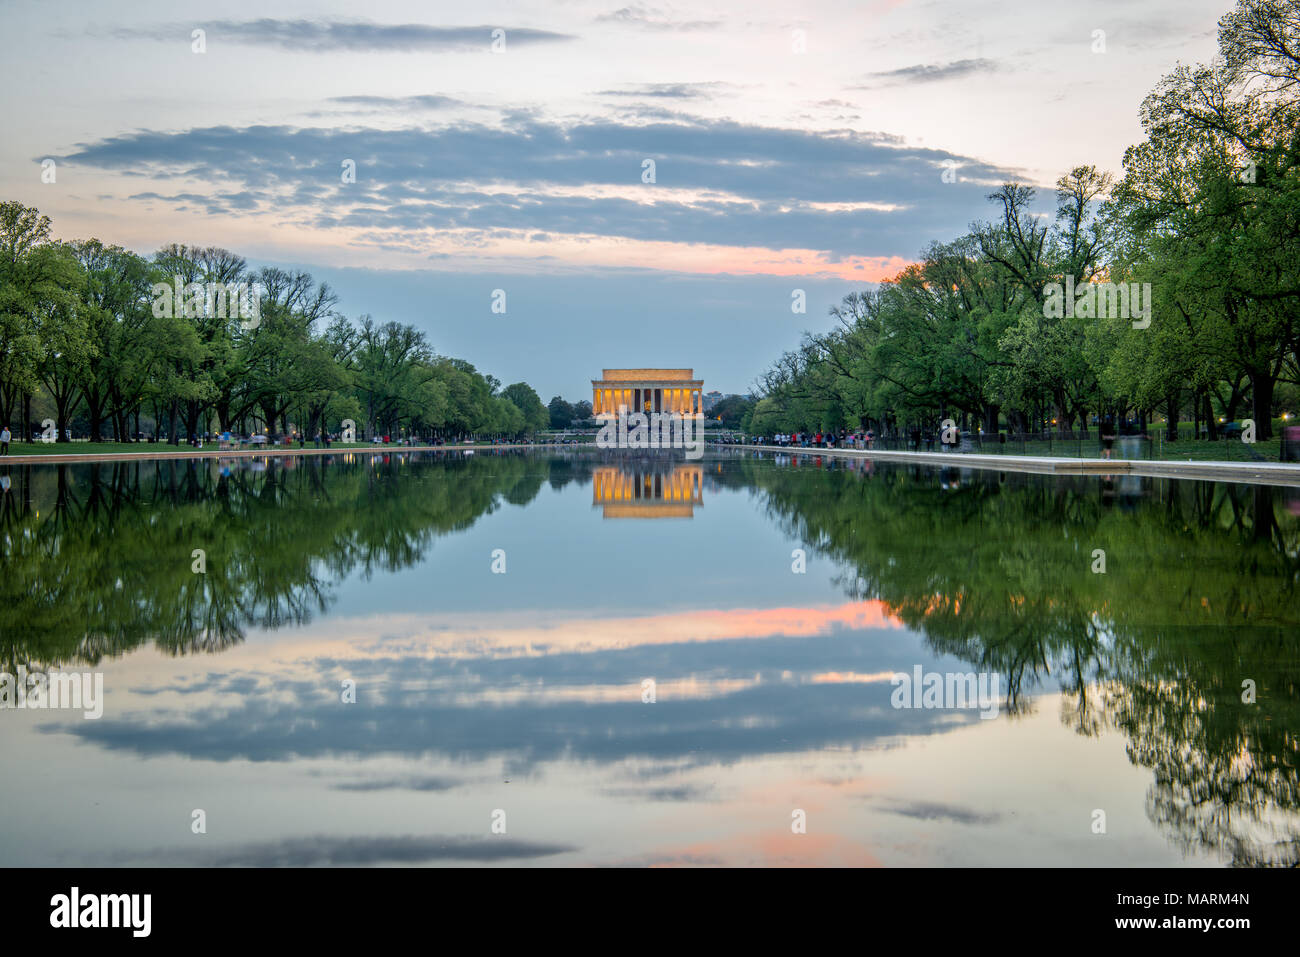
(648, 489)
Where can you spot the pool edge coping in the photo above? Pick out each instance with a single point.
(1256, 473)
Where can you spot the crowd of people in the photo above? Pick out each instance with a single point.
(844, 439)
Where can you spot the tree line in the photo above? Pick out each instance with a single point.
(1203, 224)
(92, 333)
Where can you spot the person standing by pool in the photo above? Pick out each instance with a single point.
(1107, 436)
(4, 440)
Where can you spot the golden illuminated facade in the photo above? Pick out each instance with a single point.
(648, 491)
(647, 390)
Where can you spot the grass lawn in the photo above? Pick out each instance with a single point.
(1224, 450)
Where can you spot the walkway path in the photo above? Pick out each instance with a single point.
(1255, 473)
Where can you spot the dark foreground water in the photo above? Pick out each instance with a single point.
(572, 659)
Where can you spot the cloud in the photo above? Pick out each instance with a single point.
(639, 15)
(680, 793)
(683, 91)
(769, 848)
(405, 103)
(743, 702)
(328, 851)
(930, 73)
(413, 783)
(480, 186)
(934, 811)
(326, 36)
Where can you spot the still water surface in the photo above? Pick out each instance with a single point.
(502, 615)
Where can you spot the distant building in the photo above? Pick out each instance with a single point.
(647, 390)
(711, 399)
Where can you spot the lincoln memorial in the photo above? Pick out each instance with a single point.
(647, 390)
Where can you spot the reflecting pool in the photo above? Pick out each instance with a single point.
(604, 658)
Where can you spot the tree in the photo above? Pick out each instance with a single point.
(115, 304)
(59, 321)
(535, 415)
(281, 361)
(561, 413)
(32, 276)
(733, 410)
(1216, 185)
(393, 363)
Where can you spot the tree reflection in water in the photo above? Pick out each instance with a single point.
(98, 557)
(1199, 595)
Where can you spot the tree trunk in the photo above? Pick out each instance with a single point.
(991, 415)
(61, 421)
(8, 399)
(96, 408)
(1261, 394)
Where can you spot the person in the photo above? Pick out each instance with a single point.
(4, 440)
(1107, 436)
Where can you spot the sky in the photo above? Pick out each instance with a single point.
(648, 184)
